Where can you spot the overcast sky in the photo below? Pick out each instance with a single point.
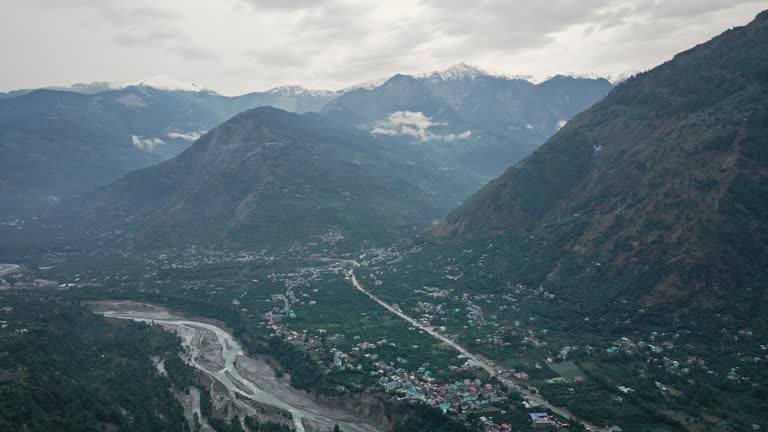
(236, 46)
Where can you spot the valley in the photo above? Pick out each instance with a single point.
(317, 305)
(492, 370)
(455, 251)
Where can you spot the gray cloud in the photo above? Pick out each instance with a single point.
(286, 5)
(278, 57)
(138, 25)
(415, 125)
(192, 52)
(133, 36)
(503, 25)
(258, 44)
(146, 144)
(191, 136)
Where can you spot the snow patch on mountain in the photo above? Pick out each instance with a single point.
(587, 76)
(623, 76)
(297, 90)
(93, 87)
(466, 71)
(158, 82)
(165, 82)
(366, 85)
(516, 77)
(459, 71)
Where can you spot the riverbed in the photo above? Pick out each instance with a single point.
(250, 382)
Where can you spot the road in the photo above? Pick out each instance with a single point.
(6, 269)
(480, 362)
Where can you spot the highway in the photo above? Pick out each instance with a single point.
(6, 269)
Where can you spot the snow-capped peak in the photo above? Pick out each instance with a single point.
(366, 85)
(297, 90)
(518, 77)
(574, 75)
(96, 85)
(158, 82)
(465, 71)
(623, 76)
(89, 88)
(164, 82)
(459, 71)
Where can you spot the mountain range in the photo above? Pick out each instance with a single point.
(467, 117)
(85, 140)
(269, 178)
(87, 135)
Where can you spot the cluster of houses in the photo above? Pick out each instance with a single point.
(657, 345)
(458, 396)
(5, 310)
(195, 256)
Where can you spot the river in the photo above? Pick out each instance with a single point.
(219, 355)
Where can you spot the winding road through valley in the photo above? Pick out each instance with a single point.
(480, 362)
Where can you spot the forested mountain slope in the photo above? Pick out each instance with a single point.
(64, 368)
(268, 177)
(55, 144)
(667, 175)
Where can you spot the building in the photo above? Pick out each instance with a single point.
(542, 420)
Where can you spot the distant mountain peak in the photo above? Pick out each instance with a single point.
(521, 77)
(165, 82)
(582, 76)
(297, 90)
(465, 71)
(459, 71)
(400, 77)
(94, 87)
(623, 76)
(157, 82)
(365, 85)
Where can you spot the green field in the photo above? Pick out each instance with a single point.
(567, 370)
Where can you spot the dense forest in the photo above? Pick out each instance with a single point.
(63, 368)
(427, 419)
